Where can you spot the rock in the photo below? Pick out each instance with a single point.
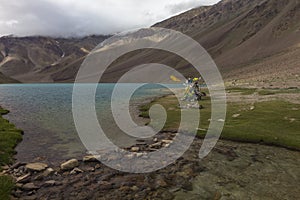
(161, 183)
(5, 167)
(125, 188)
(134, 188)
(90, 169)
(17, 165)
(49, 183)
(166, 145)
(3, 172)
(76, 171)
(104, 185)
(91, 158)
(48, 172)
(167, 195)
(139, 155)
(135, 149)
(70, 164)
(236, 115)
(24, 179)
(129, 156)
(158, 144)
(173, 190)
(17, 193)
(188, 186)
(98, 166)
(167, 141)
(29, 186)
(36, 166)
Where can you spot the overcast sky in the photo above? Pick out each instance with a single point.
(85, 17)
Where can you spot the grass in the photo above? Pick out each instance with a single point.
(273, 122)
(10, 136)
(278, 91)
(6, 186)
(242, 91)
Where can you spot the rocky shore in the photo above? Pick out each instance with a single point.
(231, 171)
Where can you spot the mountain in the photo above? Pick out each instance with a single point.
(253, 42)
(41, 59)
(247, 38)
(5, 79)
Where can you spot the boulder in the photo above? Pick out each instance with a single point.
(36, 166)
(70, 164)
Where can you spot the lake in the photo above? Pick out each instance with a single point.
(44, 113)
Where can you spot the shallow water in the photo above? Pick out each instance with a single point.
(44, 113)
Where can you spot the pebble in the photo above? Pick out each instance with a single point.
(236, 115)
(167, 141)
(135, 149)
(29, 186)
(76, 171)
(161, 183)
(130, 156)
(134, 188)
(98, 166)
(48, 172)
(158, 144)
(49, 183)
(139, 155)
(91, 158)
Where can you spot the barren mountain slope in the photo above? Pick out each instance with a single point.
(36, 59)
(239, 32)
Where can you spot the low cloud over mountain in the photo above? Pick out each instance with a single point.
(80, 18)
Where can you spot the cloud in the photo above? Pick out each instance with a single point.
(179, 7)
(78, 18)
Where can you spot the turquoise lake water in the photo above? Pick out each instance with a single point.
(44, 113)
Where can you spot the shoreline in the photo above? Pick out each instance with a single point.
(10, 137)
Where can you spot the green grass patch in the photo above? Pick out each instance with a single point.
(266, 92)
(10, 136)
(6, 186)
(278, 91)
(272, 122)
(242, 91)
